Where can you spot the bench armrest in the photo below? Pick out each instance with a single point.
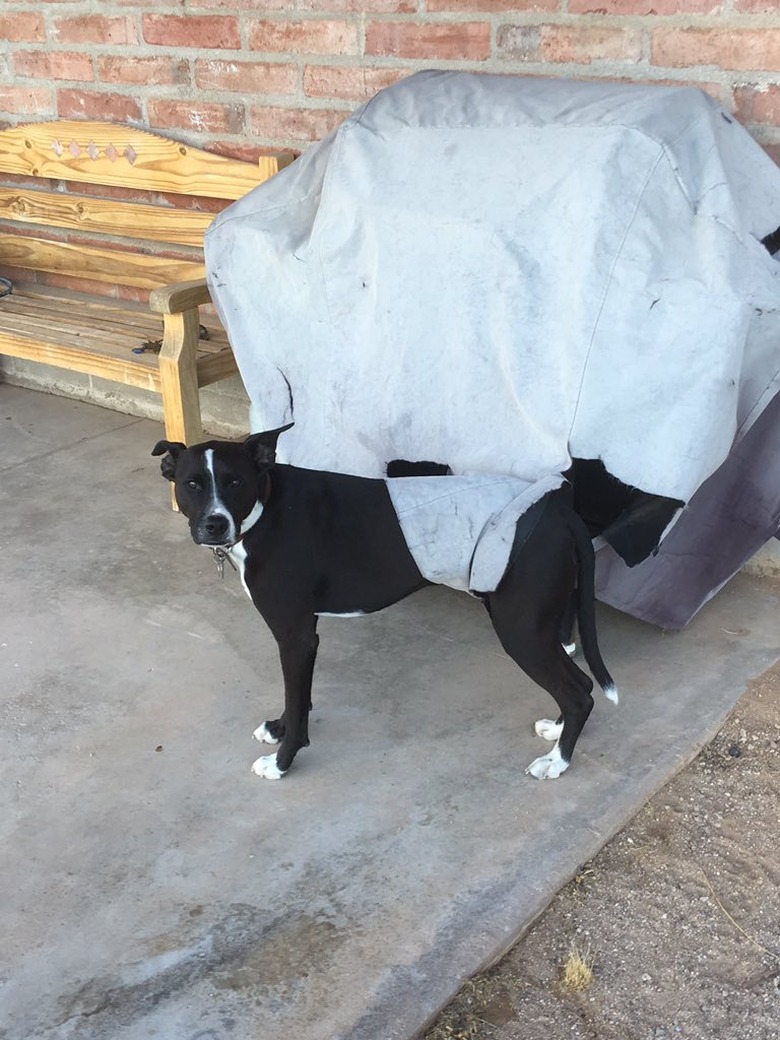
(179, 297)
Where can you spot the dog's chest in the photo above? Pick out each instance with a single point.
(238, 554)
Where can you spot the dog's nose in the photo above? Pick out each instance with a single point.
(215, 526)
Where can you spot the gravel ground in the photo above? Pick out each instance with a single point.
(673, 929)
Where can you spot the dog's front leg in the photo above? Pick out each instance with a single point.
(297, 652)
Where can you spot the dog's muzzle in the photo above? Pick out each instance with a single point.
(214, 529)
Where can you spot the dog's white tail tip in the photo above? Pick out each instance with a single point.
(611, 693)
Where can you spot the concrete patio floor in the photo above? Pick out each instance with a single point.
(153, 887)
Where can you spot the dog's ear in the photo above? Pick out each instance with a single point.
(171, 450)
(262, 446)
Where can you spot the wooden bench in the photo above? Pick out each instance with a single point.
(98, 219)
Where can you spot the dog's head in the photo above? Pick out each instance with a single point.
(221, 487)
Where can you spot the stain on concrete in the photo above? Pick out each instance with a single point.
(286, 959)
(265, 958)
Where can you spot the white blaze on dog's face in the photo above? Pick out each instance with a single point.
(218, 490)
(219, 485)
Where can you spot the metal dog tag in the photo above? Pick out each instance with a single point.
(219, 560)
(220, 555)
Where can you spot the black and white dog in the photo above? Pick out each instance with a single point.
(309, 543)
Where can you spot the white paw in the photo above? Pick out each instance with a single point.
(548, 767)
(570, 648)
(267, 768)
(264, 736)
(548, 729)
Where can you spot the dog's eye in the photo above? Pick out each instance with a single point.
(235, 483)
(193, 484)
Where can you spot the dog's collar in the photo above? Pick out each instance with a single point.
(257, 509)
(251, 520)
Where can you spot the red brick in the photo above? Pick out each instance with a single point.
(85, 285)
(24, 27)
(250, 153)
(721, 94)
(231, 150)
(725, 48)
(95, 29)
(207, 30)
(648, 7)
(361, 6)
(757, 6)
(86, 104)
(150, 71)
(26, 101)
(200, 118)
(246, 77)
(294, 124)
(487, 6)
(447, 40)
(581, 44)
(157, 198)
(53, 65)
(773, 151)
(304, 37)
(20, 275)
(249, 5)
(19, 180)
(348, 83)
(758, 104)
(111, 192)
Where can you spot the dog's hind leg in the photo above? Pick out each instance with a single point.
(573, 696)
(528, 610)
(567, 636)
(298, 653)
(547, 664)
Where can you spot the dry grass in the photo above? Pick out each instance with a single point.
(577, 969)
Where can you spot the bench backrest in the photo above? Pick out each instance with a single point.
(121, 185)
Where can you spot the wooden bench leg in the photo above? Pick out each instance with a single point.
(179, 378)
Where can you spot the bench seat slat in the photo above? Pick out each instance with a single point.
(122, 339)
(99, 340)
(62, 354)
(51, 306)
(40, 306)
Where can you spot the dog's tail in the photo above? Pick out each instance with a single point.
(586, 606)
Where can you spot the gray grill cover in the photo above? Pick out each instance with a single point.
(501, 273)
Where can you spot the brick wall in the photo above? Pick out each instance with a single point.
(240, 76)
